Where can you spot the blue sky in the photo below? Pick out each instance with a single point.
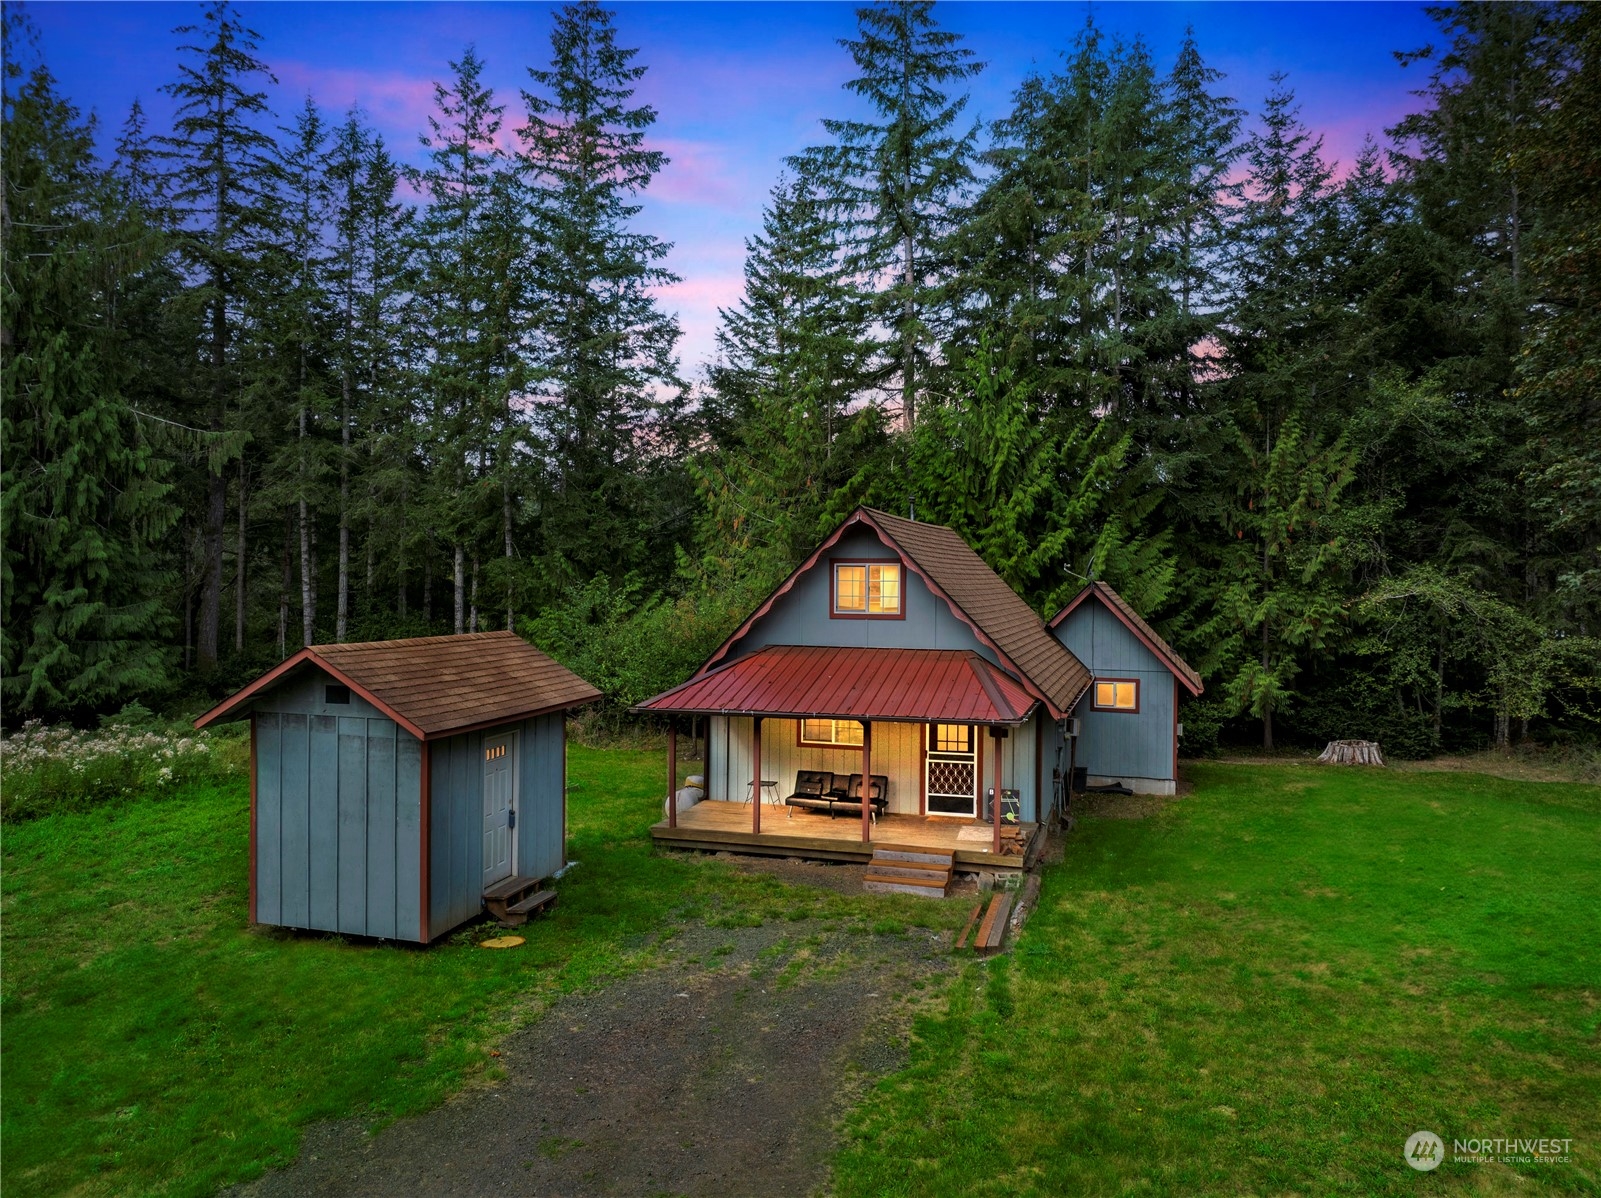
(737, 86)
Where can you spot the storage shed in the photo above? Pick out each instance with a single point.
(393, 783)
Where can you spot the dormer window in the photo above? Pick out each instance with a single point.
(867, 589)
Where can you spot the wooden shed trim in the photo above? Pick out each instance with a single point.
(425, 803)
(253, 850)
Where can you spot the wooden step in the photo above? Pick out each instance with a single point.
(909, 869)
(508, 888)
(930, 888)
(897, 852)
(517, 914)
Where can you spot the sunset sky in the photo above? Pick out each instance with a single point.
(737, 87)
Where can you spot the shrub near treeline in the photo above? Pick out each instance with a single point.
(48, 769)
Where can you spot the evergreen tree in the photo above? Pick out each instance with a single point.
(894, 183)
(219, 183)
(349, 266)
(798, 326)
(788, 443)
(1487, 93)
(390, 334)
(606, 347)
(1044, 500)
(1202, 130)
(1559, 374)
(1280, 596)
(293, 336)
(86, 501)
(1277, 591)
(464, 279)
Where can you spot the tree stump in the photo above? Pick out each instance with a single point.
(1352, 752)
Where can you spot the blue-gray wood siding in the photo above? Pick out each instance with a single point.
(897, 754)
(339, 806)
(456, 814)
(802, 616)
(338, 793)
(1120, 744)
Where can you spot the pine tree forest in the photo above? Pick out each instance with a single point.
(1334, 429)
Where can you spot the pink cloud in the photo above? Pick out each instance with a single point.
(698, 173)
(397, 104)
(696, 301)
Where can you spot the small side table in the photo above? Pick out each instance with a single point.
(769, 792)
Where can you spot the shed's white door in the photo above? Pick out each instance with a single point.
(500, 797)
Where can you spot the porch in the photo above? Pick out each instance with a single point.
(717, 825)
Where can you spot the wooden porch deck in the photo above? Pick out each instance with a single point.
(713, 826)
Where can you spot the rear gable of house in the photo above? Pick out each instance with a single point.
(1129, 715)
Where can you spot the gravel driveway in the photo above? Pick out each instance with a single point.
(723, 1072)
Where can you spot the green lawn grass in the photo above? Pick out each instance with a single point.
(1264, 990)
(154, 1043)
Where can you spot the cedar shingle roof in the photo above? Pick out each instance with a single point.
(433, 685)
(1131, 619)
(995, 612)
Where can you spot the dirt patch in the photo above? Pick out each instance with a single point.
(722, 1072)
(842, 876)
(1113, 806)
(1515, 767)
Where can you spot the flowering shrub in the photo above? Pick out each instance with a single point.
(44, 769)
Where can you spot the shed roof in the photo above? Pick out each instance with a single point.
(799, 681)
(1119, 607)
(976, 594)
(436, 685)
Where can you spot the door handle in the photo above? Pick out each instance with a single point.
(511, 818)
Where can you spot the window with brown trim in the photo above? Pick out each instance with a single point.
(1117, 694)
(831, 733)
(867, 589)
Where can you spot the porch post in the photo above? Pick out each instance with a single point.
(995, 805)
(867, 780)
(673, 772)
(756, 784)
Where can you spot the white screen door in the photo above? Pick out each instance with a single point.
(499, 798)
(952, 770)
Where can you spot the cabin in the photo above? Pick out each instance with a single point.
(1130, 720)
(396, 787)
(894, 701)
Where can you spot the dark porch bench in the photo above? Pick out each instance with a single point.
(837, 794)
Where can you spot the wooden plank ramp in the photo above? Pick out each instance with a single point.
(972, 922)
(909, 869)
(993, 929)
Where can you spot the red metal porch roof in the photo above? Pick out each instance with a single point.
(945, 685)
